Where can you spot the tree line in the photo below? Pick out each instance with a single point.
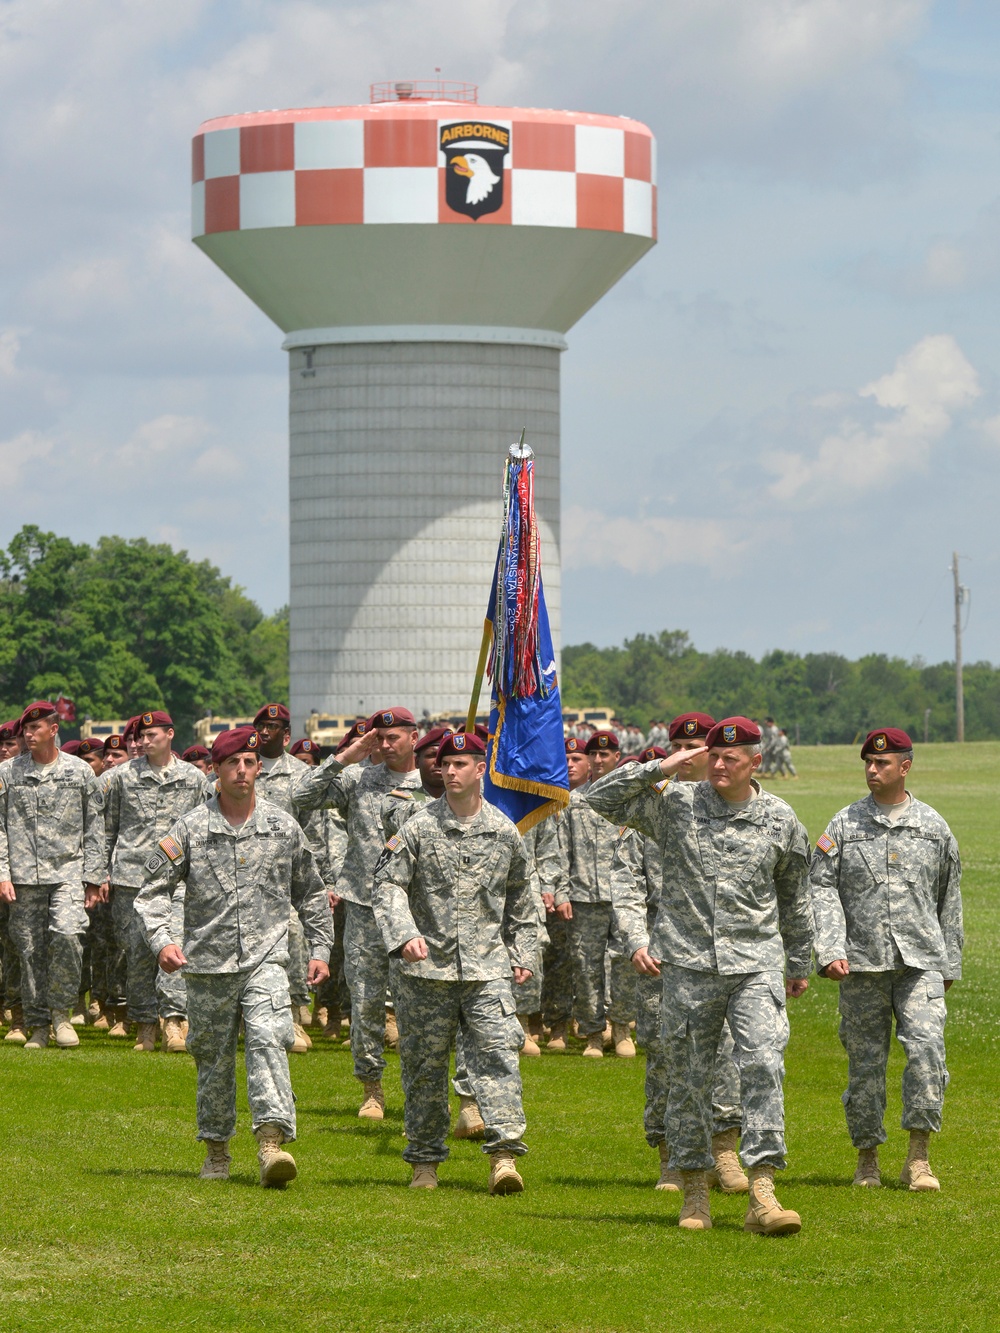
(818, 698)
(128, 625)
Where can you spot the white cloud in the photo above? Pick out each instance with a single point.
(15, 454)
(646, 545)
(10, 345)
(928, 385)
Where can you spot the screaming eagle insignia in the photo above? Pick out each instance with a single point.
(474, 153)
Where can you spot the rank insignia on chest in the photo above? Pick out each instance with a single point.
(171, 849)
(826, 844)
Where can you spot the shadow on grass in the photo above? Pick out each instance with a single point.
(667, 1221)
(166, 1173)
(349, 1111)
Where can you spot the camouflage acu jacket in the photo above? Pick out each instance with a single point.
(358, 792)
(735, 882)
(139, 809)
(463, 887)
(636, 885)
(241, 885)
(589, 843)
(879, 888)
(51, 822)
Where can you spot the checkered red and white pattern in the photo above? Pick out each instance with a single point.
(378, 164)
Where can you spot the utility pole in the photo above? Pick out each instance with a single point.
(960, 593)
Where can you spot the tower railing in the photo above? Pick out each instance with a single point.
(424, 90)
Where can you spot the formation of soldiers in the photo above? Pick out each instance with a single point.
(674, 902)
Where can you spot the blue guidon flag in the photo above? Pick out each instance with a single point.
(526, 775)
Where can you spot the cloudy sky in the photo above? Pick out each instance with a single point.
(776, 429)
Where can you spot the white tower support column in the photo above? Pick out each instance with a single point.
(397, 444)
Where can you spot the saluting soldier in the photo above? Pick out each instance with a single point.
(735, 901)
(52, 862)
(557, 957)
(452, 900)
(887, 899)
(245, 863)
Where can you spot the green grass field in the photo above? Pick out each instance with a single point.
(105, 1225)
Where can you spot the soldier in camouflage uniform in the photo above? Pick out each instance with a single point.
(887, 902)
(142, 800)
(51, 863)
(245, 863)
(452, 899)
(557, 958)
(735, 901)
(10, 747)
(590, 845)
(545, 859)
(199, 757)
(636, 886)
(357, 790)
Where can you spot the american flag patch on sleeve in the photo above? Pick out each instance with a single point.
(394, 842)
(170, 849)
(826, 844)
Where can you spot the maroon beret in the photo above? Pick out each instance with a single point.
(157, 718)
(434, 737)
(690, 724)
(36, 710)
(392, 717)
(9, 730)
(71, 747)
(574, 745)
(91, 745)
(462, 742)
(272, 713)
(482, 731)
(194, 752)
(114, 743)
(304, 747)
(887, 740)
(628, 759)
(128, 731)
(234, 742)
(651, 752)
(733, 731)
(603, 740)
(360, 728)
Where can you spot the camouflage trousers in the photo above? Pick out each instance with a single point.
(366, 967)
(429, 1014)
(727, 1110)
(216, 1003)
(557, 972)
(868, 1003)
(333, 993)
(47, 925)
(589, 937)
(150, 993)
(298, 961)
(98, 952)
(11, 961)
(694, 1008)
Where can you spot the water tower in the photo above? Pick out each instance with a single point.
(424, 257)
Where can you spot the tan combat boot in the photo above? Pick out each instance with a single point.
(63, 1030)
(916, 1170)
(530, 1046)
(145, 1037)
(867, 1173)
(606, 1036)
(119, 1028)
(695, 1212)
(557, 1038)
(470, 1123)
(319, 1016)
(302, 1043)
(277, 1168)
(728, 1174)
(78, 1016)
(391, 1031)
(304, 1014)
(373, 1106)
(504, 1178)
(765, 1215)
(622, 1038)
(217, 1159)
(17, 1034)
(38, 1038)
(104, 1019)
(94, 1011)
(594, 1049)
(669, 1180)
(425, 1176)
(173, 1042)
(331, 1028)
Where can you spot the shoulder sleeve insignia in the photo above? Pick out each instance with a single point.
(155, 862)
(170, 849)
(394, 843)
(826, 844)
(661, 786)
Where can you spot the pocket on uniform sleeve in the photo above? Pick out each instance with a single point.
(935, 986)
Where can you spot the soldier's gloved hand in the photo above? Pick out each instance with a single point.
(645, 964)
(317, 972)
(565, 910)
(521, 975)
(549, 902)
(7, 893)
(796, 986)
(415, 950)
(171, 958)
(837, 970)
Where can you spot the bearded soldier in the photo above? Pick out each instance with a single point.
(887, 899)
